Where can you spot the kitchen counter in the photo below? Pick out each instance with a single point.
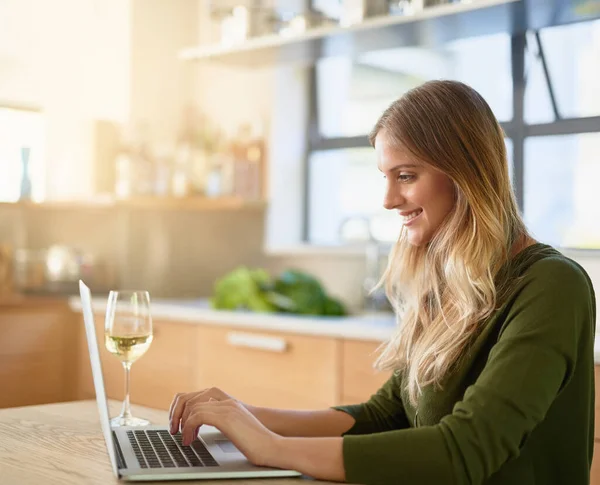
(376, 327)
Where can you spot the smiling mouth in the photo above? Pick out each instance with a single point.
(412, 216)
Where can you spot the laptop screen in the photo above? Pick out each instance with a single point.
(90, 331)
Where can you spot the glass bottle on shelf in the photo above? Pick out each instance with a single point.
(162, 170)
(214, 180)
(143, 171)
(123, 174)
(25, 192)
(180, 182)
(255, 154)
(239, 153)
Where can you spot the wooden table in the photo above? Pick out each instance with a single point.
(62, 444)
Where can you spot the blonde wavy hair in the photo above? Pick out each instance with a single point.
(444, 290)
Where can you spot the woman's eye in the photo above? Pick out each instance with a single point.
(403, 177)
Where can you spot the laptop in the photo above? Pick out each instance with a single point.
(150, 453)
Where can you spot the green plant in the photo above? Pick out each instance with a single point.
(292, 292)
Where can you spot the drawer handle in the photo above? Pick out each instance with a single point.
(260, 342)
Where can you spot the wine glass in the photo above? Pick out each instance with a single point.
(128, 335)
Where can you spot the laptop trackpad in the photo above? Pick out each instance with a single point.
(226, 446)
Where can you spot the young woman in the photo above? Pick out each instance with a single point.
(493, 356)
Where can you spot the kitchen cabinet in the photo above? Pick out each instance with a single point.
(38, 350)
(112, 368)
(165, 369)
(269, 369)
(595, 471)
(359, 379)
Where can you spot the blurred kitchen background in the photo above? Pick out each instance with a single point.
(172, 145)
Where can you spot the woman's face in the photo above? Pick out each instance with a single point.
(422, 195)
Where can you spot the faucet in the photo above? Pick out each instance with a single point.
(357, 229)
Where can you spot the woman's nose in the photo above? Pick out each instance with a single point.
(392, 199)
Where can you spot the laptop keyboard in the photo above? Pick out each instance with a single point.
(160, 449)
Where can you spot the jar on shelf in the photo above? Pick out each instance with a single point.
(123, 174)
(180, 176)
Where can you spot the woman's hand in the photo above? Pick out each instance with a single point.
(183, 402)
(216, 408)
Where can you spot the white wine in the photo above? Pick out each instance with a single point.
(128, 348)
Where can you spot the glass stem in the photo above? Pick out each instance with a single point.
(126, 412)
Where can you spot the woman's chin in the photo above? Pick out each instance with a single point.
(417, 238)
(416, 241)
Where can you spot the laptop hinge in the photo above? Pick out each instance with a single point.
(120, 458)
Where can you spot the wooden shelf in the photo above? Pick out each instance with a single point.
(431, 27)
(158, 203)
(57, 204)
(372, 34)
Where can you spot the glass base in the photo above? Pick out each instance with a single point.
(128, 421)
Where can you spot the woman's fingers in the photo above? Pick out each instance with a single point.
(213, 413)
(203, 414)
(190, 404)
(173, 402)
(178, 407)
(183, 404)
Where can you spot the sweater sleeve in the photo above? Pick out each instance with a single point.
(528, 366)
(384, 411)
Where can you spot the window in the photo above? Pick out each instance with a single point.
(352, 94)
(509, 155)
(346, 184)
(21, 147)
(572, 55)
(562, 201)
(552, 172)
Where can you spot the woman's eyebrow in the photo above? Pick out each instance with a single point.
(402, 165)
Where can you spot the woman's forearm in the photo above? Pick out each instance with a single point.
(320, 458)
(321, 423)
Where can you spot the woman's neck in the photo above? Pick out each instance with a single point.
(522, 243)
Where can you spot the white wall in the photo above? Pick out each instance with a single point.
(69, 58)
(161, 85)
(273, 100)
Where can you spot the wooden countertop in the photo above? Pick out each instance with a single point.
(62, 444)
(18, 300)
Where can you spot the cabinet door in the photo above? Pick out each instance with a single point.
(595, 471)
(112, 369)
(359, 379)
(597, 403)
(165, 369)
(37, 353)
(268, 369)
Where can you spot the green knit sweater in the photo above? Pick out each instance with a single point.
(517, 410)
